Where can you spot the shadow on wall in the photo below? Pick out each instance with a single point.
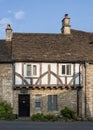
(84, 107)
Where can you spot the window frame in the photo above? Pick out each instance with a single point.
(33, 74)
(37, 101)
(65, 72)
(52, 102)
(30, 71)
(34, 68)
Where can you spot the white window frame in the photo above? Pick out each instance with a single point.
(32, 73)
(30, 70)
(65, 73)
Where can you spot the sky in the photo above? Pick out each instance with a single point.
(44, 16)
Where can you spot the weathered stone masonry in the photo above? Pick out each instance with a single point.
(6, 90)
(89, 90)
(65, 98)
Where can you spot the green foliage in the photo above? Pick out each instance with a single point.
(50, 117)
(6, 111)
(37, 117)
(68, 113)
(42, 117)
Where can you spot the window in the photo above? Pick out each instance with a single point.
(28, 70)
(34, 70)
(63, 69)
(52, 103)
(31, 70)
(66, 69)
(38, 101)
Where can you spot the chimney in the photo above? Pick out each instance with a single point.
(66, 25)
(8, 33)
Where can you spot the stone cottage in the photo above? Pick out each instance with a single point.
(43, 73)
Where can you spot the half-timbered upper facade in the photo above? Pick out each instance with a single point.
(46, 75)
(46, 72)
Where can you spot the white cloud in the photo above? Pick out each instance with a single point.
(4, 21)
(20, 15)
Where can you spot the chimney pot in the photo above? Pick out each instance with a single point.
(8, 33)
(66, 15)
(66, 25)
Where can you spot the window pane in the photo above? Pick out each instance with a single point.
(28, 70)
(34, 70)
(63, 69)
(68, 69)
(55, 103)
(38, 102)
(49, 102)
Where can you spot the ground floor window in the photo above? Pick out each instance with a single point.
(52, 103)
(38, 101)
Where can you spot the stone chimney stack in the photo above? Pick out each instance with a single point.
(66, 25)
(8, 33)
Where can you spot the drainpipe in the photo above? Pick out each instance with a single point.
(77, 101)
(85, 65)
(78, 92)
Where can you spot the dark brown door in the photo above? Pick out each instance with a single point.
(24, 105)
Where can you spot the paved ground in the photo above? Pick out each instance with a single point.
(27, 125)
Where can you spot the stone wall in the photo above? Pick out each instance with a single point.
(86, 93)
(6, 91)
(65, 98)
(89, 90)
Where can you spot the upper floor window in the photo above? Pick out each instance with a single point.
(34, 70)
(28, 70)
(65, 69)
(31, 70)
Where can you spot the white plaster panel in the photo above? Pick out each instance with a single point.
(18, 68)
(69, 79)
(28, 80)
(53, 80)
(45, 79)
(62, 79)
(18, 80)
(77, 68)
(34, 81)
(54, 68)
(44, 67)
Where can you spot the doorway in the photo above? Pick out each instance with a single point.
(24, 105)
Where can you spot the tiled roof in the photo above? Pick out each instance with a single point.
(53, 47)
(5, 51)
(77, 47)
